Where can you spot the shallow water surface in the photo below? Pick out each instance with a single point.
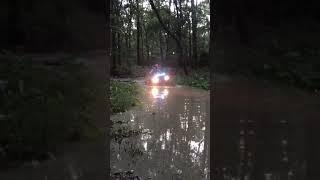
(174, 138)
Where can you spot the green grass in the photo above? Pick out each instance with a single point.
(197, 79)
(123, 95)
(42, 107)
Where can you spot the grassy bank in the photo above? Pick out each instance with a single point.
(42, 107)
(196, 78)
(123, 95)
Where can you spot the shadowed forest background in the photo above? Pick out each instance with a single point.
(251, 37)
(171, 33)
(261, 40)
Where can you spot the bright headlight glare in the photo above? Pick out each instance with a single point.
(155, 80)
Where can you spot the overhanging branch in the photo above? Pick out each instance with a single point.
(163, 25)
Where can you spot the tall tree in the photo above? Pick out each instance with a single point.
(138, 18)
(194, 33)
(177, 35)
(189, 40)
(114, 24)
(161, 46)
(147, 41)
(129, 31)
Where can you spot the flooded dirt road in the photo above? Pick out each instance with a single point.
(174, 138)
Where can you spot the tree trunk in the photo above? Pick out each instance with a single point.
(130, 24)
(115, 21)
(160, 45)
(127, 47)
(190, 43)
(167, 47)
(176, 37)
(114, 52)
(138, 32)
(128, 32)
(194, 35)
(147, 44)
(142, 40)
(181, 59)
(119, 48)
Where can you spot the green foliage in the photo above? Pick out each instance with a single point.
(153, 36)
(123, 95)
(198, 79)
(42, 106)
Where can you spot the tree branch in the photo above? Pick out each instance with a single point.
(163, 25)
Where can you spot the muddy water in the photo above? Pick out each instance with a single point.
(174, 142)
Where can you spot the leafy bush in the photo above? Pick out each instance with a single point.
(198, 79)
(42, 106)
(123, 95)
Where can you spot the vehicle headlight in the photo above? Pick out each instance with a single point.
(166, 77)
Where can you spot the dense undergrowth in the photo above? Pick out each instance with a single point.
(123, 95)
(42, 107)
(197, 78)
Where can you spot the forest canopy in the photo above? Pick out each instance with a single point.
(166, 31)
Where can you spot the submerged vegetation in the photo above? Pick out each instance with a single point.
(124, 138)
(42, 107)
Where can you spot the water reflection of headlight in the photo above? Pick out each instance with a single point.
(158, 93)
(165, 92)
(155, 91)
